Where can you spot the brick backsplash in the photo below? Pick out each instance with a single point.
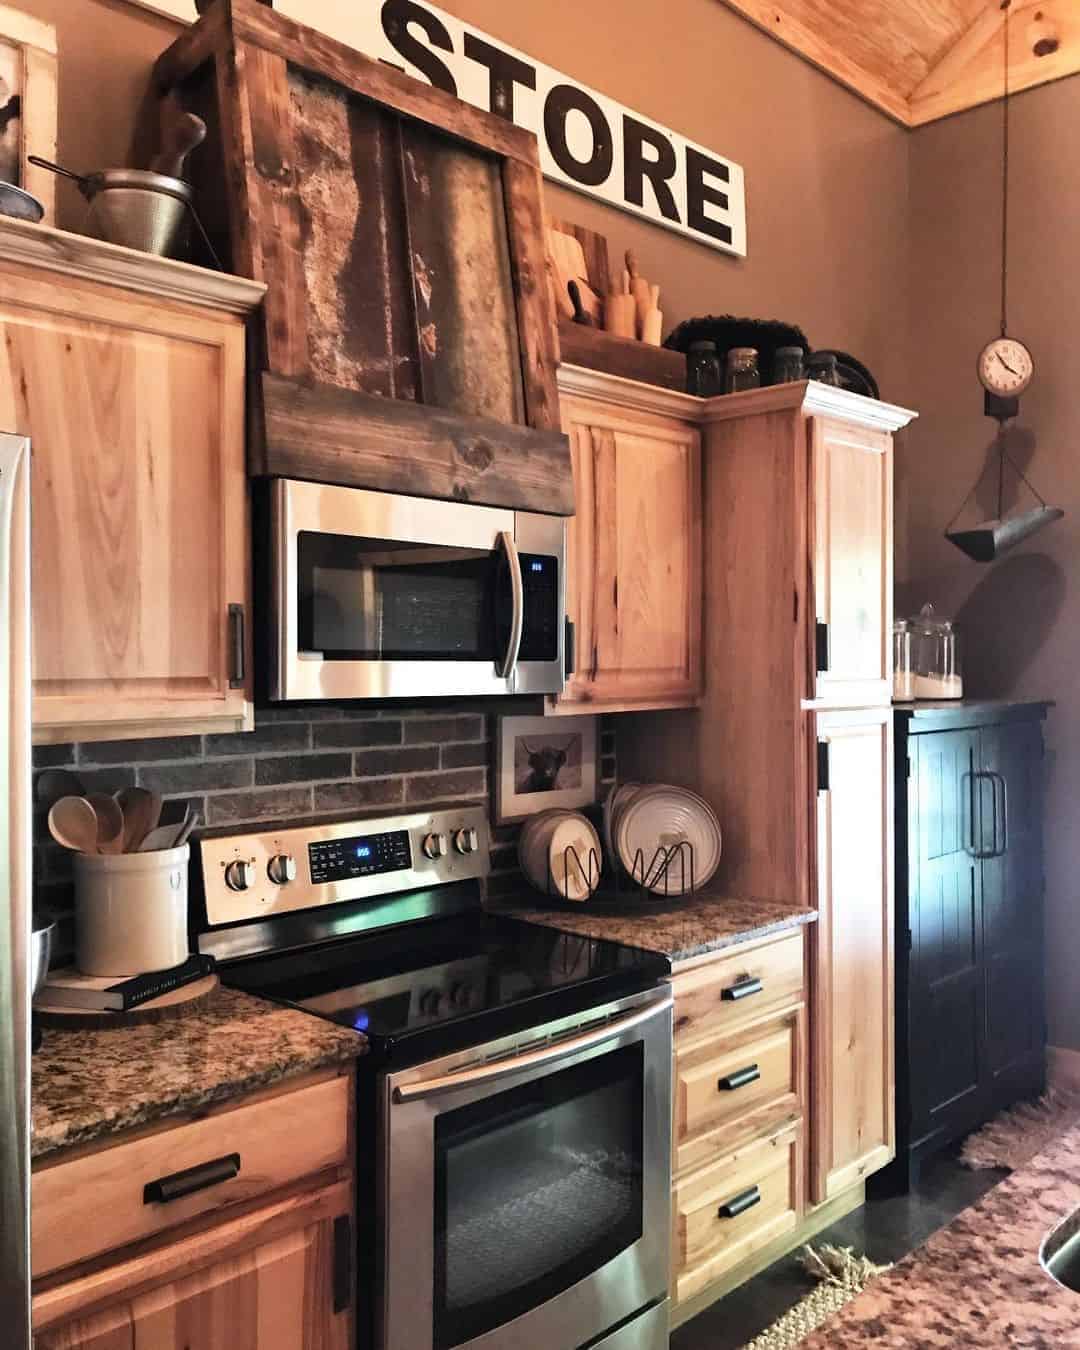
(297, 762)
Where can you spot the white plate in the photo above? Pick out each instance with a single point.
(534, 844)
(660, 818)
(574, 858)
(614, 803)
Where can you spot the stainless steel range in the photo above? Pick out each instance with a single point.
(517, 1090)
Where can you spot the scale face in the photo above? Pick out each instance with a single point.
(1005, 367)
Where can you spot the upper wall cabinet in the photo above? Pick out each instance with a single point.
(634, 564)
(853, 562)
(127, 373)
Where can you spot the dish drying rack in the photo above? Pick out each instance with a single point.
(671, 864)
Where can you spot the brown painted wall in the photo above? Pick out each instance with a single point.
(1021, 614)
(826, 175)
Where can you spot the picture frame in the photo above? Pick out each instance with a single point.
(28, 104)
(543, 762)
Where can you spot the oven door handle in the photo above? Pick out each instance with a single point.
(503, 1068)
(507, 667)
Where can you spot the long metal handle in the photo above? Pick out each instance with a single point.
(740, 1078)
(507, 667)
(191, 1179)
(976, 850)
(551, 1054)
(15, 891)
(739, 1204)
(237, 647)
(1000, 778)
(743, 987)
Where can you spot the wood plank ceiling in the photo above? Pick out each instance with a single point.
(919, 60)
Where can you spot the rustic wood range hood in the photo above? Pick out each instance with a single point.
(920, 60)
(408, 341)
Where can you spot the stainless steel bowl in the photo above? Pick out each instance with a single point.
(17, 202)
(41, 941)
(138, 209)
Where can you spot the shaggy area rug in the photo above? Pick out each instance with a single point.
(841, 1276)
(1013, 1138)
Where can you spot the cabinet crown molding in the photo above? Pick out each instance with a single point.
(78, 255)
(808, 396)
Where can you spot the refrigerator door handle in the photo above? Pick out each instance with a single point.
(15, 891)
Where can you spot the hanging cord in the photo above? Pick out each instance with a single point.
(1005, 7)
(1003, 458)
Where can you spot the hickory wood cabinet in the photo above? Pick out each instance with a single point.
(634, 551)
(127, 373)
(260, 1259)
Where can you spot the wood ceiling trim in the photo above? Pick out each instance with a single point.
(959, 74)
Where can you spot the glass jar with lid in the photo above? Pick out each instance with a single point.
(821, 366)
(742, 370)
(703, 376)
(936, 657)
(903, 670)
(788, 365)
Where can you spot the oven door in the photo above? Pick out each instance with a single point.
(526, 1195)
(377, 595)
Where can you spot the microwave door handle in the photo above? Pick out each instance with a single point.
(507, 667)
(550, 1054)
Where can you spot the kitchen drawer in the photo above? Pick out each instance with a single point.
(99, 1201)
(726, 1212)
(714, 997)
(731, 1089)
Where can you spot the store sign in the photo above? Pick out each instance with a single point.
(587, 141)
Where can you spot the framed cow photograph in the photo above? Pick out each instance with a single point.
(541, 762)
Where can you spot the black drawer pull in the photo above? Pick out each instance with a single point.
(739, 1204)
(742, 988)
(740, 1078)
(192, 1179)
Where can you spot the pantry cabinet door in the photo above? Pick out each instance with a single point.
(134, 406)
(634, 560)
(853, 1065)
(853, 564)
(279, 1295)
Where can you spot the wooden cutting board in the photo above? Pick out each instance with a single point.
(176, 1003)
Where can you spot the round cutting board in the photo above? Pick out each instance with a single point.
(176, 1003)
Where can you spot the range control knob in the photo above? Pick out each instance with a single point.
(431, 1001)
(467, 840)
(240, 874)
(461, 994)
(281, 869)
(434, 846)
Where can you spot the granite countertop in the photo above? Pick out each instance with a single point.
(86, 1085)
(679, 929)
(977, 1282)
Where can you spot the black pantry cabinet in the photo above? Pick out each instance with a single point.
(970, 1022)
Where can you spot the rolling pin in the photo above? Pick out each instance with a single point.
(639, 289)
(620, 311)
(652, 321)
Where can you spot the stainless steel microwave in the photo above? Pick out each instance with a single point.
(378, 595)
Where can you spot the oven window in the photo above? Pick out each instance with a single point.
(379, 600)
(535, 1189)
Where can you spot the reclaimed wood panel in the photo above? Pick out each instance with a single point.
(329, 435)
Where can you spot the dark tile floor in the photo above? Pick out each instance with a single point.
(885, 1229)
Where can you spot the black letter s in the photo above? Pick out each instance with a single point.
(396, 17)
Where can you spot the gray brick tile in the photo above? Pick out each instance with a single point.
(236, 808)
(436, 730)
(53, 756)
(205, 776)
(355, 735)
(434, 787)
(394, 760)
(358, 794)
(466, 756)
(301, 769)
(275, 736)
(139, 752)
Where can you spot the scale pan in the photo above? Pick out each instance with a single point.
(994, 537)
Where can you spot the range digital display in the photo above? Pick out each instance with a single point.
(360, 856)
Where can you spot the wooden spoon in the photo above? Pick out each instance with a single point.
(142, 811)
(73, 823)
(110, 822)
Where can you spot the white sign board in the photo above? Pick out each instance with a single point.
(587, 141)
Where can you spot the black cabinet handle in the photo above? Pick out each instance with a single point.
(742, 988)
(192, 1179)
(236, 647)
(569, 654)
(740, 1078)
(821, 646)
(739, 1204)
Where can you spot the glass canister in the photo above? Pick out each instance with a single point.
(821, 366)
(903, 670)
(703, 376)
(788, 365)
(742, 370)
(936, 657)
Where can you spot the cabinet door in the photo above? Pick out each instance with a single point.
(1010, 832)
(852, 505)
(853, 1107)
(946, 988)
(633, 559)
(140, 535)
(277, 1295)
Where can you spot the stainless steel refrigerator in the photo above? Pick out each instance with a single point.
(15, 811)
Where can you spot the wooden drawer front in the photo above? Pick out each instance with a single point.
(726, 1212)
(723, 1092)
(705, 1002)
(95, 1203)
